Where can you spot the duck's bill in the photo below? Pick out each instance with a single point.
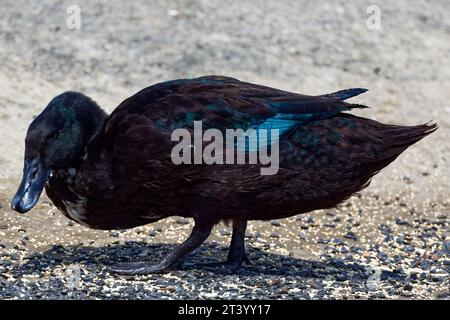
(30, 189)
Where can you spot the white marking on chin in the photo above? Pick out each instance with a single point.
(76, 210)
(72, 172)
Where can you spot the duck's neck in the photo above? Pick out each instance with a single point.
(93, 124)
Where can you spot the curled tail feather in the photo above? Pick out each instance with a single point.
(346, 94)
(397, 139)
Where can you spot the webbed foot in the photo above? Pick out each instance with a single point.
(171, 261)
(138, 268)
(229, 266)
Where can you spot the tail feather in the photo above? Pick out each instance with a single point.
(395, 140)
(345, 94)
(398, 138)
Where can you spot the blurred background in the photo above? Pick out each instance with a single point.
(308, 46)
(109, 50)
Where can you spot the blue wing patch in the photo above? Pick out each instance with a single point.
(266, 133)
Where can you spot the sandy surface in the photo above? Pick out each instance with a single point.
(308, 47)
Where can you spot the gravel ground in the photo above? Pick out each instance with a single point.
(390, 242)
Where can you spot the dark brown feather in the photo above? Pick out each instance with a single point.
(128, 177)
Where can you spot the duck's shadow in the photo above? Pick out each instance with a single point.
(95, 259)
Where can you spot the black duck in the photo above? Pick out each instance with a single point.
(116, 171)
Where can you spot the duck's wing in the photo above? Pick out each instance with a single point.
(227, 103)
(132, 151)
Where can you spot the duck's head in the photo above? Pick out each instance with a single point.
(55, 139)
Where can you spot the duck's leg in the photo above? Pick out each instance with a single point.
(236, 253)
(199, 234)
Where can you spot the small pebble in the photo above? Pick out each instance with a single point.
(274, 235)
(351, 235)
(224, 232)
(446, 247)
(401, 222)
(275, 223)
